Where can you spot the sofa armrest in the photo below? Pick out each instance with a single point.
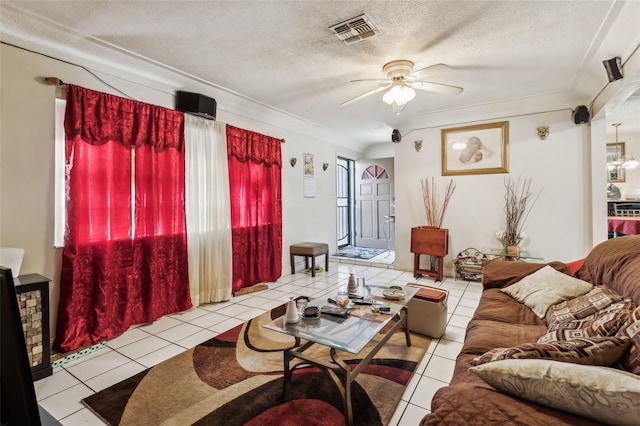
(501, 273)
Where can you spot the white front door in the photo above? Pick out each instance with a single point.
(374, 198)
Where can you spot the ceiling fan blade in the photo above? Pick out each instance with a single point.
(379, 80)
(371, 92)
(430, 70)
(436, 87)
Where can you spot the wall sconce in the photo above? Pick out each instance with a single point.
(293, 161)
(543, 132)
(325, 166)
(417, 145)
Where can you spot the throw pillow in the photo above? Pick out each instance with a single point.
(605, 322)
(582, 306)
(546, 287)
(590, 350)
(598, 393)
(631, 329)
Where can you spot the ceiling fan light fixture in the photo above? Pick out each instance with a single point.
(399, 94)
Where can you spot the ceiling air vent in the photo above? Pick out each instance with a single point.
(355, 29)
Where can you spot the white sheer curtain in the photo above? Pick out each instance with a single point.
(208, 211)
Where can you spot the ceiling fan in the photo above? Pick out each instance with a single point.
(401, 81)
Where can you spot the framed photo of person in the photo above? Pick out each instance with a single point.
(479, 149)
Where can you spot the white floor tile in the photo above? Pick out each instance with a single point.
(424, 392)
(209, 320)
(143, 347)
(129, 336)
(179, 332)
(250, 314)
(454, 333)
(395, 419)
(213, 307)
(187, 316)
(114, 376)
(66, 402)
(98, 365)
(255, 301)
(459, 321)
(233, 310)
(448, 349)
(87, 357)
(161, 324)
(276, 295)
(464, 311)
(411, 387)
(160, 355)
(226, 325)
(440, 368)
(469, 302)
(197, 338)
(82, 417)
(57, 382)
(412, 415)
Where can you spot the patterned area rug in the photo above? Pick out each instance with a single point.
(236, 379)
(359, 252)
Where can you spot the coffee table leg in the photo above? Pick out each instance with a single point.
(287, 374)
(405, 319)
(348, 409)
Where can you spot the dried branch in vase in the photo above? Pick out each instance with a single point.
(519, 200)
(435, 203)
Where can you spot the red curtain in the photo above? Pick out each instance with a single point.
(255, 183)
(124, 262)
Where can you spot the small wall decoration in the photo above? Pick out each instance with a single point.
(308, 179)
(479, 149)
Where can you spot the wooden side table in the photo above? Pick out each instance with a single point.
(32, 291)
(309, 250)
(430, 241)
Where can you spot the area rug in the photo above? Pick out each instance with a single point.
(359, 252)
(236, 379)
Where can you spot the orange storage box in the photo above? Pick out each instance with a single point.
(428, 311)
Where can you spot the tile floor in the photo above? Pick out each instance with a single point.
(145, 346)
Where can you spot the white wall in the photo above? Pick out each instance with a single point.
(559, 220)
(27, 160)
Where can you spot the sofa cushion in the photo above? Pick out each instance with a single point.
(605, 322)
(631, 329)
(500, 307)
(584, 350)
(498, 273)
(582, 306)
(546, 287)
(616, 263)
(599, 393)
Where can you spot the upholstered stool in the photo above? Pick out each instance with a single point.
(309, 250)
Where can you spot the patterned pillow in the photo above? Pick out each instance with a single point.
(631, 329)
(546, 287)
(603, 394)
(582, 306)
(592, 351)
(605, 322)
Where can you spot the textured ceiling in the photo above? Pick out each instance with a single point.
(282, 53)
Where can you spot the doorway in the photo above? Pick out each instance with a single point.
(345, 169)
(374, 203)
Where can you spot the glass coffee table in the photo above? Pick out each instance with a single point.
(350, 334)
(521, 255)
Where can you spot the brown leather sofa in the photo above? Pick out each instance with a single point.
(501, 321)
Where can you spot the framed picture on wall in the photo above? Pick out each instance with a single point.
(479, 149)
(615, 154)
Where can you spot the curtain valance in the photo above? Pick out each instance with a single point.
(99, 117)
(245, 145)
